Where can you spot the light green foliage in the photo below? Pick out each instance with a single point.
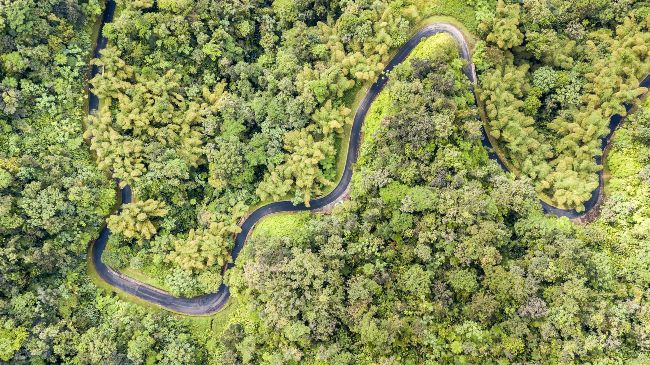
(549, 103)
(627, 188)
(502, 90)
(504, 31)
(150, 111)
(438, 47)
(331, 119)
(281, 225)
(175, 6)
(232, 162)
(11, 339)
(205, 248)
(301, 171)
(135, 219)
(286, 10)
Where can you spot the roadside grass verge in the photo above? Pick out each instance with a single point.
(281, 225)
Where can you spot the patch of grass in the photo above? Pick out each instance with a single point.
(281, 225)
(353, 98)
(211, 328)
(146, 276)
(625, 157)
(377, 111)
(459, 10)
(439, 46)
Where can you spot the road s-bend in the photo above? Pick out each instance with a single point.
(211, 303)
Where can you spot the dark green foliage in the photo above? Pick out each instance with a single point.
(52, 197)
(53, 200)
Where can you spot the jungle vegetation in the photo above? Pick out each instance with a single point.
(210, 108)
(552, 74)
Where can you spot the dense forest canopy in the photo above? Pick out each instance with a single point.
(551, 77)
(54, 199)
(211, 108)
(208, 109)
(438, 258)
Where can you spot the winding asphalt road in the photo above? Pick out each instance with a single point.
(210, 303)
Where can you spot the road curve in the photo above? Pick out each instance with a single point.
(210, 303)
(597, 195)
